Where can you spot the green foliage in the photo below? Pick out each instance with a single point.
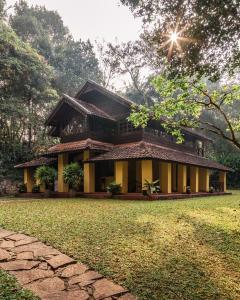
(73, 175)
(46, 175)
(114, 188)
(10, 289)
(184, 101)
(151, 187)
(22, 188)
(73, 61)
(26, 95)
(36, 188)
(210, 32)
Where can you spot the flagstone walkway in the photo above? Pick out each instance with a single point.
(52, 275)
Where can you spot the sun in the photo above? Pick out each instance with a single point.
(174, 36)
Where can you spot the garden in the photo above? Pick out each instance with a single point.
(183, 249)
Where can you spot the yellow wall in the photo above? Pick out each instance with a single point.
(147, 171)
(28, 179)
(62, 162)
(121, 175)
(223, 178)
(204, 180)
(166, 177)
(194, 179)
(182, 178)
(89, 174)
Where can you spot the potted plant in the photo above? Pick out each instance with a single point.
(36, 188)
(72, 175)
(22, 188)
(151, 187)
(211, 189)
(46, 176)
(114, 188)
(188, 190)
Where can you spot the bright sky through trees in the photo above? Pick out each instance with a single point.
(94, 19)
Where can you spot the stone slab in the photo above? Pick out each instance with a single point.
(67, 295)
(26, 241)
(47, 286)
(25, 277)
(60, 260)
(73, 270)
(104, 288)
(25, 255)
(16, 265)
(7, 244)
(4, 233)
(38, 249)
(85, 279)
(4, 255)
(17, 237)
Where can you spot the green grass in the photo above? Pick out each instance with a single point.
(185, 249)
(11, 290)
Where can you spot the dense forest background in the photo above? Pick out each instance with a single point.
(40, 60)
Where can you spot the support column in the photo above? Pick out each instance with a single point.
(89, 174)
(223, 180)
(62, 162)
(204, 180)
(182, 178)
(121, 175)
(174, 177)
(166, 177)
(138, 176)
(194, 179)
(147, 171)
(28, 179)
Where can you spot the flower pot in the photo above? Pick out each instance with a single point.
(72, 193)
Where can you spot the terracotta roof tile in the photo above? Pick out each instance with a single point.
(143, 150)
(79, 145)
(37, 162)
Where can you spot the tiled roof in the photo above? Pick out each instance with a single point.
(79, 145)
(37, 162)
(89, 108)
(144, 150)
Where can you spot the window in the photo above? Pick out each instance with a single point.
(125, 126)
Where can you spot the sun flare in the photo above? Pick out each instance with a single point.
(174, 36)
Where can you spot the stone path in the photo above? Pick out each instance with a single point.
(52, 275)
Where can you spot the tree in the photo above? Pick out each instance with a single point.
(127, 59)
(73, 61)
(2, 9)
(26, 95)
(202, 36)
(184, 100)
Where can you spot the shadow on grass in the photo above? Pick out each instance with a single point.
(177, 278)
(226, 242)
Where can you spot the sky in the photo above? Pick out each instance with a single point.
(97, 20)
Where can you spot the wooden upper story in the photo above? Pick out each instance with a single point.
(99, 114)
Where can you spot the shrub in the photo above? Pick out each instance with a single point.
(36, 188)
(151, 187)
(46, 175)
(22, 188)
(114, 188)
(72, 175)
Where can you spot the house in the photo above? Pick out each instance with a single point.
(94, 131)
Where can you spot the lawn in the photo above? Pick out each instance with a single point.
(11, 290)
(185, 249)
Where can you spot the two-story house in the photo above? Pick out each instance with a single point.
(94, 131)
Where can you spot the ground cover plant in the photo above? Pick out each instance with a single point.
(11, 290)
(183, 249)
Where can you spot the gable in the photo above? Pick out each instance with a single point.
(107, 101)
